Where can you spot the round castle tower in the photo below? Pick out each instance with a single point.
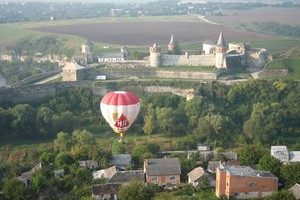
(87, 51)
(220, 52)
(155, 53)
(171, 45)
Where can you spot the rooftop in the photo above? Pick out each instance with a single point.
(126, 176)
(196, 173)
(246, 171)
(120, 159)
(294, 156)
(279, 150)
(162, 166)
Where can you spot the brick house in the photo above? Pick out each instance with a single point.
(243, 182)
(162, 171)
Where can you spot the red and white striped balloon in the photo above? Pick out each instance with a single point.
(120, 109)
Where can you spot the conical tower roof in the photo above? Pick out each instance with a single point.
(172, 39)
(221, 42)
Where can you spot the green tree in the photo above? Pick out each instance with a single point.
(40, 179)
(6, 118)
(186, 189)
(44, 120)
(63, 141)
(82, 176)
(269, 163)
(263, 124)
(47, 157)
(64, 160)
(171, 122)
(216, 127)
(291, 173)
(135, 190)
(280, 195)
(251, 154)
(23, 123)
(149, 125)
(153, 147)
(66, 122)
(14, 189)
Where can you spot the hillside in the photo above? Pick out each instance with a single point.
(284, 63)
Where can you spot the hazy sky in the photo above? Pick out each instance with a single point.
(117, 1)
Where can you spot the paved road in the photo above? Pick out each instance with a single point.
(2, 80)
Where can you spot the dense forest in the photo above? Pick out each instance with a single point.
(246, 117)
(263, 112)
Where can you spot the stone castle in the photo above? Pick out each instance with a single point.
(235, 56)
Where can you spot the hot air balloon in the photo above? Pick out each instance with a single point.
(120, 109)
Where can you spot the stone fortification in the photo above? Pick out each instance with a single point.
(252, 59)
(91, 74)
(37, 92)
(187, 93)
(36, 77)
(188, 60)
(187, 75)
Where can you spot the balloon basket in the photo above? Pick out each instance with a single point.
(121, 140)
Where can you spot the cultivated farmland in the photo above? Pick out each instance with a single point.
(289, 16)
(147, 33)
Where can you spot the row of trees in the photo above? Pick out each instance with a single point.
(264, 112)
(279, 29)
(65, 112)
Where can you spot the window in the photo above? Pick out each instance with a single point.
(252, 184)
(172, 178)
(154, 179)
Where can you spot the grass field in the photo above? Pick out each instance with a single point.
(292, 64)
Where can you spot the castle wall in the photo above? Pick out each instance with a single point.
(187, 74)
(36, 92)
(256, 58)
(36, 77)
(188, 60)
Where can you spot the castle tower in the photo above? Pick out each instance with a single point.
(220, 52)
(171, 45)
(87, 51)
(125, 52)
(155, 53)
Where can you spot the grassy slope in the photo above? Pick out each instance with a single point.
(11, 34)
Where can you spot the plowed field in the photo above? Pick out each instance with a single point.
(147, 33)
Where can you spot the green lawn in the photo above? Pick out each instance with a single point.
(273, 46)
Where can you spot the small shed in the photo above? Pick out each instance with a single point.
(196, 176)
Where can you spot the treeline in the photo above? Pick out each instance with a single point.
(46, 11)
(67, 111)
(45, 45)
(279, 29)
(16, 71)
(264, 112)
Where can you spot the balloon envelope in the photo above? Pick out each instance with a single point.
(120, 109)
